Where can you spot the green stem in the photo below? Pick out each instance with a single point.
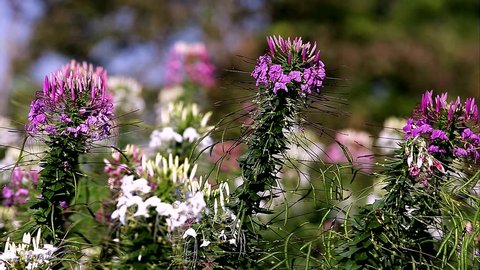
(267, 145)
(60, 169)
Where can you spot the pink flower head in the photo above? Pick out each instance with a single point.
(74, 100)
(21, 196)
(17, 191)
(354, 145)
(117, 166)
(290, 64)
(7, 194)
(189, 62)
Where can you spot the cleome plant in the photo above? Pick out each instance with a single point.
(96, 198)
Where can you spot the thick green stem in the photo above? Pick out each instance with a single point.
(267, 144)
(57, 183)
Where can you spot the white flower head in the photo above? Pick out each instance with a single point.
(120, 213)
(157, 138)
(142, 210)
(190, 134)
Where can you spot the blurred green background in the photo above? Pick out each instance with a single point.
(381, 54)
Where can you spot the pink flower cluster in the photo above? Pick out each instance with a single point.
(74, 101)
(189, 63)
(356, 145)
(449, 128)
(17, 191)
(118, 167)
(290, 64)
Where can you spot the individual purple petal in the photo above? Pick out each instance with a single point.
(439, 134)
(275, 73)
(63, 204)
(50, 129)
(435, 149)
(426, 100)
(295, 76)
(471, 110)
(460, 152)
(21, 196)
(440, 102)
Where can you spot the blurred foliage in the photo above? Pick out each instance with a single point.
(377, 52)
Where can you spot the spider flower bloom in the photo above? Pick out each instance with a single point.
(448, 128)
(74, 101)
(189, 62)
(290, 65)
(17, 191)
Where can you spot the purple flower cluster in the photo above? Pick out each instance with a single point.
(74, 101)
(17, 191)
(447, 127)
(189, 63)
(290, 64)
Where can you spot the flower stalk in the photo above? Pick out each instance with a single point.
(285, 75)
(426, 177)
(73, 110)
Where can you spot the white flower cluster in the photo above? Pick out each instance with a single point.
(137, 192)
(222, 215)
(22, 255)
(167, 134)
(127, 94)
(181, 124)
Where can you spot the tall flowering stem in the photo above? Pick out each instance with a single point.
(73, 110)
(426, 183)
(286, 75)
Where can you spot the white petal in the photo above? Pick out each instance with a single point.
(190, 232)
(205, 243)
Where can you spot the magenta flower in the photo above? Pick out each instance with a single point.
(7, 194)
(74, 101)
(471, 109)
(21, 196)
(439, 134)
(17, 191)
(449, 128)
(427, 100)
(63, 204)
(290, 64)
(261, 70)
